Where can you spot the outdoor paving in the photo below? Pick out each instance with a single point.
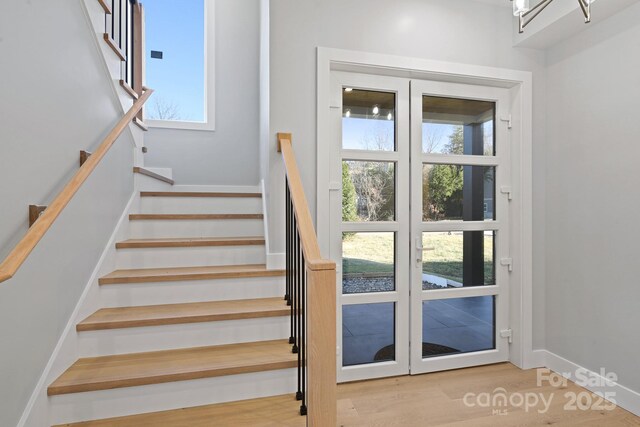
(465, 324)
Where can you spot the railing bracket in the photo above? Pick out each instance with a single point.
(35, 211)
(84, 156)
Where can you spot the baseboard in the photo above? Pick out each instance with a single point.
(220, 188)
(36, 413)
(536, 359)
(276, 261)
(624, 397)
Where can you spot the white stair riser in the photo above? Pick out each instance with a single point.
(174, 395)
(211, 205)
(133, 294)
(166, 337)
(190, 257)
(147, 229)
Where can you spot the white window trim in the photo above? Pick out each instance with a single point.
(209, 80)
(520, 84)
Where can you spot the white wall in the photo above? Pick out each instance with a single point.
(229, 155)
(593, 147)
(56, 99)
(461, 31)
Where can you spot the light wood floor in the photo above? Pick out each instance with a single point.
(424, 400)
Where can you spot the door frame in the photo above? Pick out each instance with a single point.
(520, 122)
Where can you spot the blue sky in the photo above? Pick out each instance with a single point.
(177, 29)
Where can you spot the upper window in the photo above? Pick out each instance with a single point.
(176, 63)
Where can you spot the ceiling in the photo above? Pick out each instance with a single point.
(504, 3)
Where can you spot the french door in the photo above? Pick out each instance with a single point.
(419, 225)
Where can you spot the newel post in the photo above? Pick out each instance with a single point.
(321, 360)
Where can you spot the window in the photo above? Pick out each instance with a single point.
(179, 63)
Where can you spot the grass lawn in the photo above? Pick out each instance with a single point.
(374, 253)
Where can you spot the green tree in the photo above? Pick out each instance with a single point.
(349, 212)
(456, 141)
(442, 184)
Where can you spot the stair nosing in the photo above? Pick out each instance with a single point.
(221, 194)
(185, 276)
(193, 216)
(189, 242)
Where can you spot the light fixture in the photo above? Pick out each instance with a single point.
(375, 110)
(526, 14)
(348, 89)
(347, 113)
(389, 116)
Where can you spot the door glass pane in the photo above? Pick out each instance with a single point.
(368, 120)
(368, 333)
(455, 259)
(458, 325)
(457, 192)
(368, 262)
(368, 191)
(457, 126)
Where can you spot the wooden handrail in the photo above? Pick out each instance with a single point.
(19, 254)
(321, 302)
(307, 231)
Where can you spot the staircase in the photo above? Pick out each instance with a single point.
(192, 318)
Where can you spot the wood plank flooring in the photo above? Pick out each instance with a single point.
(431, 400)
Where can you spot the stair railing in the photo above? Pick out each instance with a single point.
(47, 217)
(311, 293)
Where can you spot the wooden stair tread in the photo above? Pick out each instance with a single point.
(264, 412)
(189, 242)
(168, 314)
(135, 369)
(193, 216)
(146, 275)
(197, 194)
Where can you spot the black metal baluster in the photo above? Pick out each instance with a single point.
(126, 40)
(303, 335)
(132, 58)
(120, 24)
(113, 21)
(287, 220)
(294, 289)
(299, 312)
(289, 262)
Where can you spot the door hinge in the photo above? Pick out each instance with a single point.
(507, 333)
(506, 189)
(507, 119)
(335, 186)
(507, 262)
